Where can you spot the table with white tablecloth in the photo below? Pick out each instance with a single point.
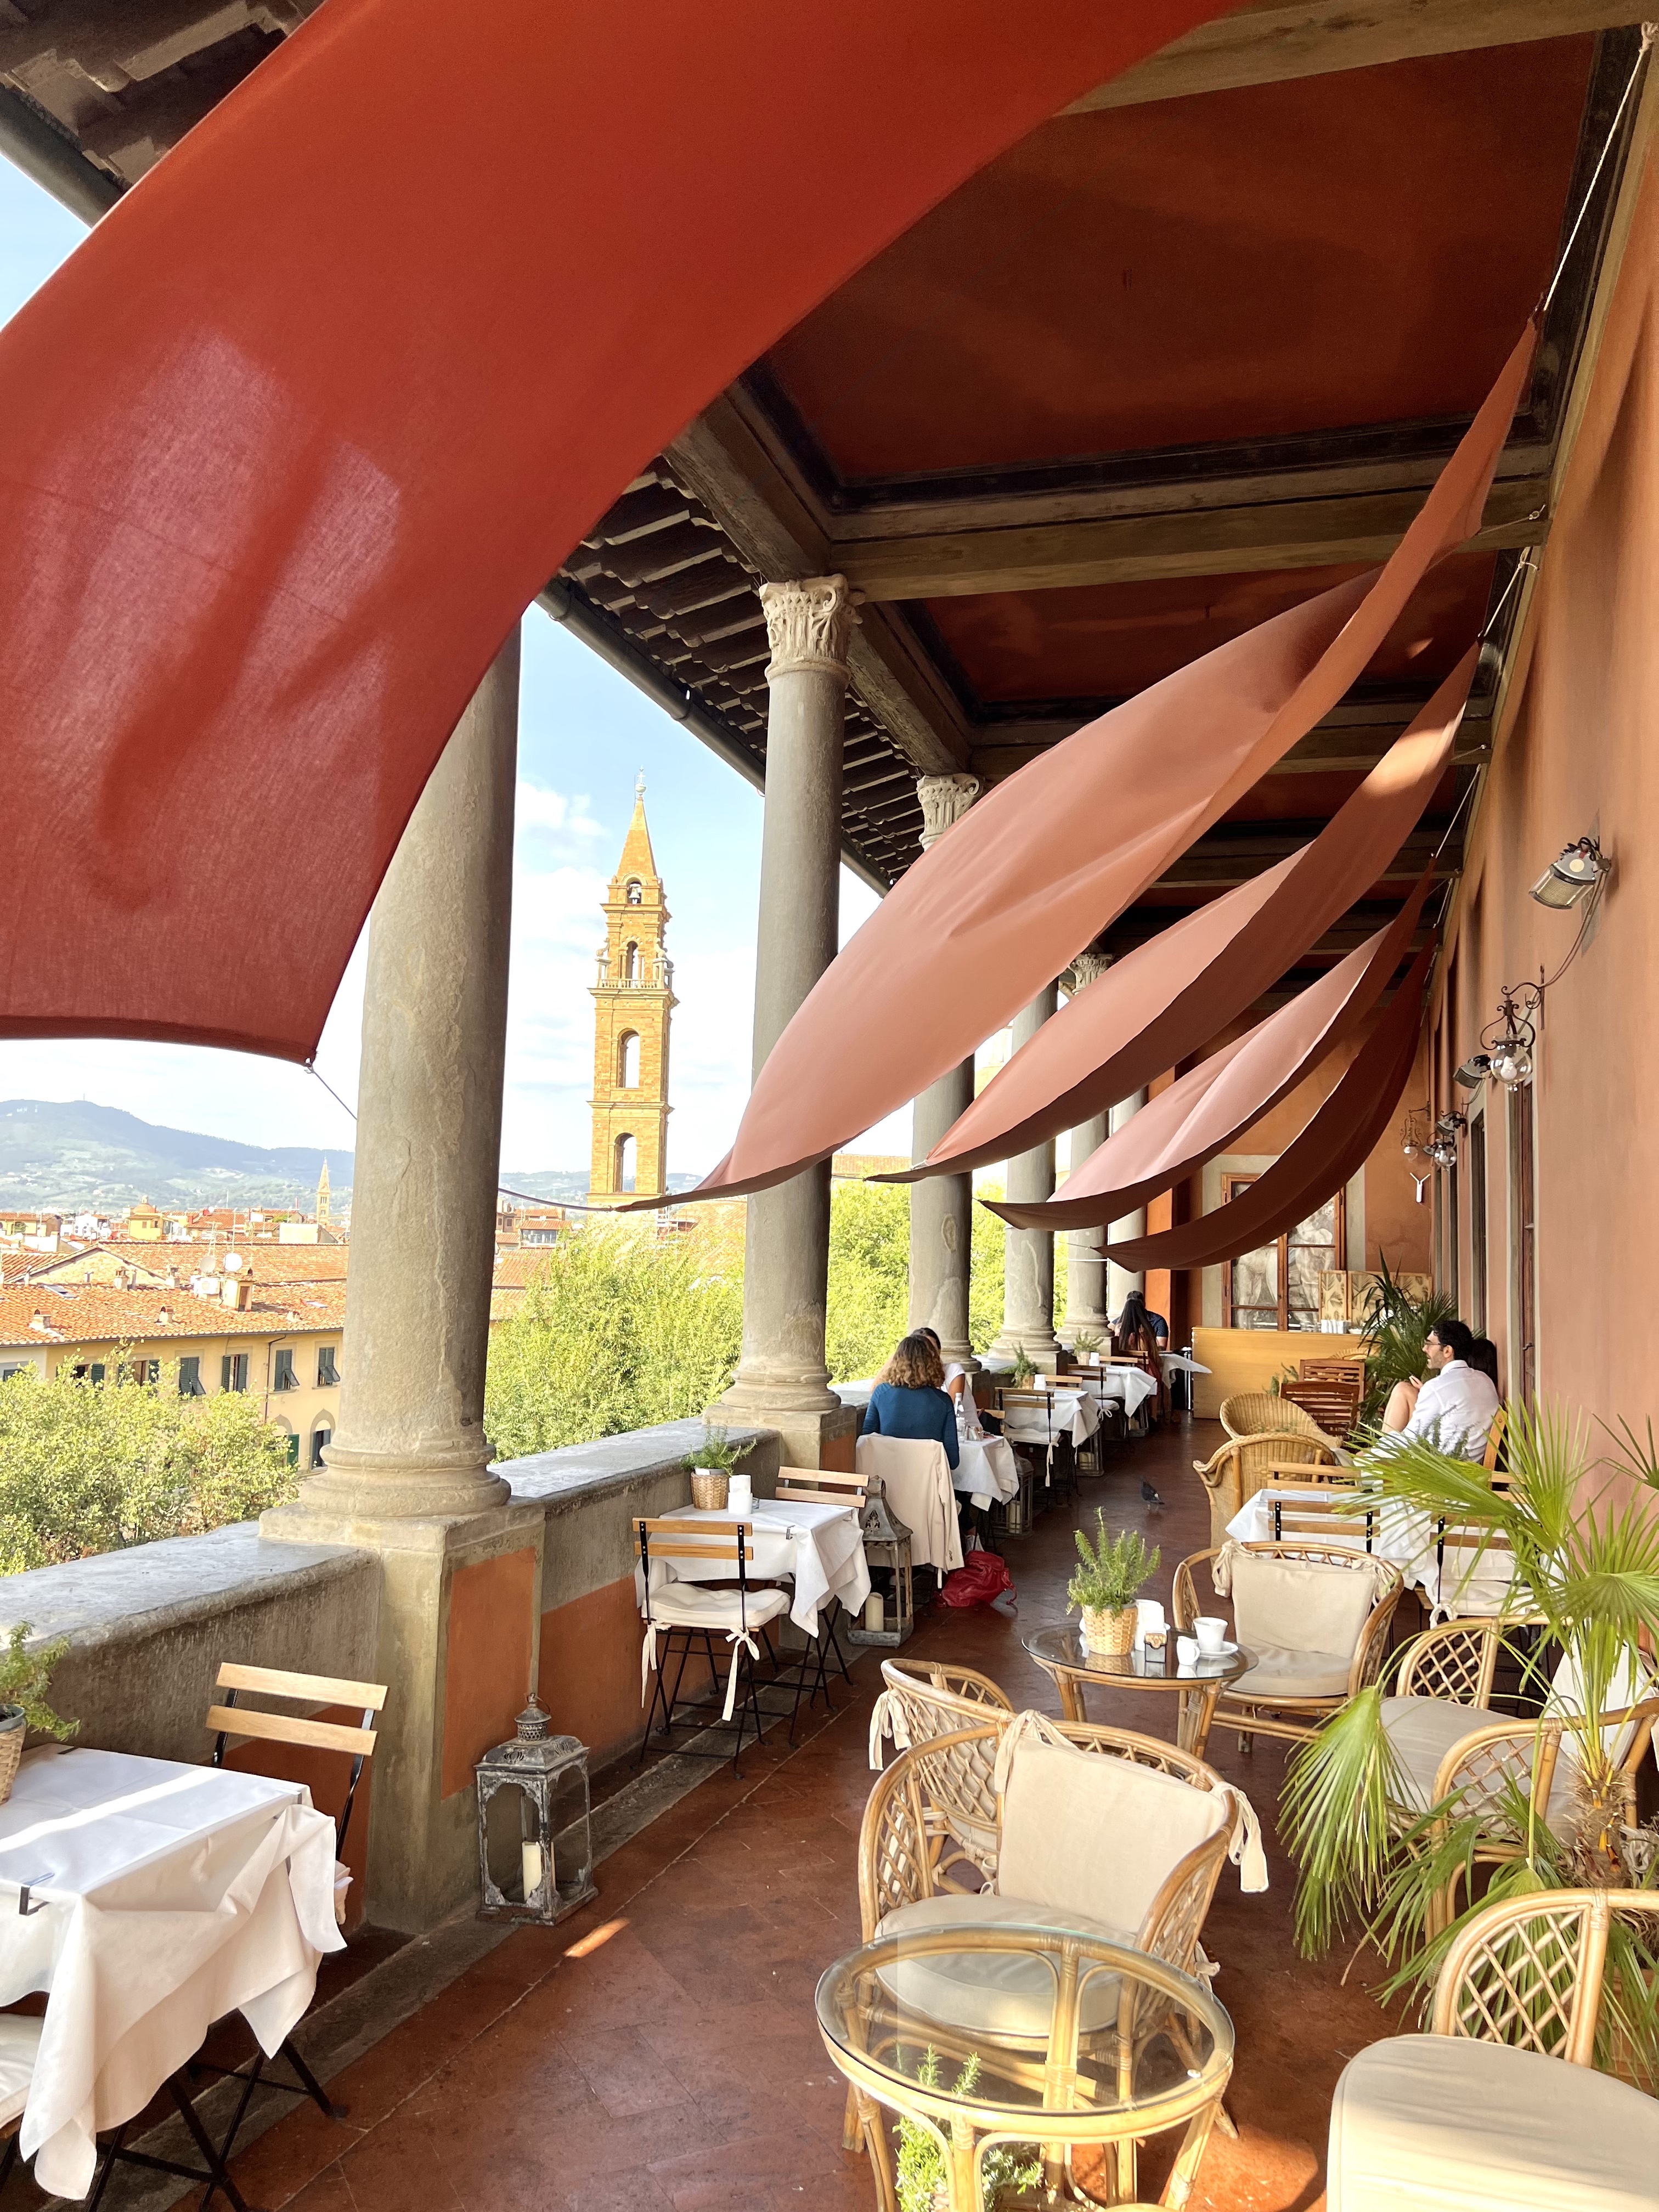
(1452, 1578)
(1130, 1386)
(160, 1897)
(987, 1469)
(818, 1548)
(1073, 1413)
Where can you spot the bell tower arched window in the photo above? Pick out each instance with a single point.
(630, 963)
(627, 1163)
(627, 1061)
(635, 893)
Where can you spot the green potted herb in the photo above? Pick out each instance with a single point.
(1024, 1373)
(1105, 1583)
(1084, 1345)
(711, 1466)
(922, 2182)
(23, 1679)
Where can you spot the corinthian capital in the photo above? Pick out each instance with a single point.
(807, 625)
(945, 800)
(1088, 968)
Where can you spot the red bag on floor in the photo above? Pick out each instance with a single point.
(980, 1580)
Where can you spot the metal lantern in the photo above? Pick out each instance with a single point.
(549, 1862)
(887, 1548)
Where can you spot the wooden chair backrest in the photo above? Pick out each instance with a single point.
(1298, 1511)
(1500, 1421)
(1039, 1399)
(227, 1718)
(1334, 1406)
(819, 1487)
(714, 1541)
(1349, 1371)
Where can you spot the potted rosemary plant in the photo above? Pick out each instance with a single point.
(23, 1679)
(711, 1466)
(1109, 1574)
(1025, 1374)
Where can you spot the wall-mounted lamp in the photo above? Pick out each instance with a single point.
(1580, 870)
(1474, 1070)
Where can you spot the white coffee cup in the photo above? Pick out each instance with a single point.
(1187, 1650)
(1211, 1631)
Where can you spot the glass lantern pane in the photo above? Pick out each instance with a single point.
(512, 1829)
(1255, 1289)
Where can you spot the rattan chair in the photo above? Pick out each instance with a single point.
(1291, 1690)
(1244, 1465)
(1260, 1413)
(1500, 2103)
(923, 1700)
(1447, 1745)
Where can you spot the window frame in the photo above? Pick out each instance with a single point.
(1232, 1183)
(328, 1371)
(282, 1376)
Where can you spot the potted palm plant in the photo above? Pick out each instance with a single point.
(1109, 1575)
(1584, 1536)
(1395, 1334)
(24, 1676)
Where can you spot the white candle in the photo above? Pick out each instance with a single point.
(531, 1857)
(874, 1612)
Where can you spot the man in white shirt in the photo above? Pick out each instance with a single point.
(1455, 1406)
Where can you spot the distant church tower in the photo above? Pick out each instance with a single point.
(322, 1197)
(633, 1001)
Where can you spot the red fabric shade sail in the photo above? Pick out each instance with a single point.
(294, 438)
(1001, 905)
(1202, 1112)
(1170, 995)
(1334, 1145)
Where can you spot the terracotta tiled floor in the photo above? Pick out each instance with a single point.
(659, 2050)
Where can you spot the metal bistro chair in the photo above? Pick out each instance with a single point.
(817, 1486)
(685, 1611)
(307, 1732)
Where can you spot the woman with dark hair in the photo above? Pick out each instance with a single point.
(909, 1400)
(1137, 1331)
(1483, 1360)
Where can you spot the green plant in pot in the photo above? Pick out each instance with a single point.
(24, 1676)
(1084, 1345)
(1025, 1374)
(1007, 2178)
(1396, 1336)
(711, 1466)
(1109, 1575)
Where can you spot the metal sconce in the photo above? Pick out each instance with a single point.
(1442, 1147)
(1579, 871)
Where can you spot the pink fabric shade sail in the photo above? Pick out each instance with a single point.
(1169, 996)
(1001, 905)
(1334, 1145)
(1200, 1114)
(291, 441)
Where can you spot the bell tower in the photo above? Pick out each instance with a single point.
(633, 1001)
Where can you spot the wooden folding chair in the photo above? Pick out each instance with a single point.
(1314, 1512)
(356, 1743)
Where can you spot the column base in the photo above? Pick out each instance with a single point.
(458, 1648)
(1039, 1345)
(441, 1480)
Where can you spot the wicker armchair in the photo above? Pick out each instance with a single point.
(923, 1701)
(1499, 2104)
(1291, 1690)
(1447, 1742)
(1245, 1464)
(1259, 1412)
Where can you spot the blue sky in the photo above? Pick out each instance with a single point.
(584, 733)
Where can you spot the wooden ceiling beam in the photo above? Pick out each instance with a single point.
(1302, 534)
(1352, 750)
(1219, 863)
(1269, 43)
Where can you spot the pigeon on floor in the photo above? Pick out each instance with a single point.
(1154, 1503)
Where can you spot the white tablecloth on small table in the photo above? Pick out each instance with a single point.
(1460, 1585)
(820, 1548)
(1073, 1413)
(987, 1469)
(168, 1895)
(1131, 1386)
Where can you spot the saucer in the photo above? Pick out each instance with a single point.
(1227, 1652)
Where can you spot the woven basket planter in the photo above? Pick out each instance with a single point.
(13, 1730)
(710, 1489)
(1111, 1631)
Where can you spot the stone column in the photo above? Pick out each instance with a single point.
(942, 1208)
(1028, 1288)
(782, 1380)
(1085, 1264)
(1121, 1281)
(408, 1474)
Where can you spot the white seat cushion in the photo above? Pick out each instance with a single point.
(1420, 1733)
(694, 1605)
(1278, 1673)
(997, 1993)
(20, 2040)
(1090, 1833)
(1442, 2123)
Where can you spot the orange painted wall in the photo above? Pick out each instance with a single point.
(492, 1612)
(1578, 749)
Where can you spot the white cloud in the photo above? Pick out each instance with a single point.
(536, 808)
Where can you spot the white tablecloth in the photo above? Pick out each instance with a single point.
(1130, 1386)
(172, 1895)
(987, 1469)
(819, 1547)
(1073, 1413)
(1458, 1585)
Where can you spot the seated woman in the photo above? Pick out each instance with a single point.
(909, 1400)
(958, 1384)
(1136, 1330)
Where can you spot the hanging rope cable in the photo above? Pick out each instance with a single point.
(1648, 31)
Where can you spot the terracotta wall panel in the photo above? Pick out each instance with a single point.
(487, 1669)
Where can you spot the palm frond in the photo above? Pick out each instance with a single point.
(1336, 1808)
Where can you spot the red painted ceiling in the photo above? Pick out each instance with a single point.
(1355, 248)
(1109, 640)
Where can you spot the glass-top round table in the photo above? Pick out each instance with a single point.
(1029, 2044)
(1059, 1650)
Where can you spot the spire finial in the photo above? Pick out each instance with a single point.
(639, 785)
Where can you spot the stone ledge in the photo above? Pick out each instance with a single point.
(575, 1474)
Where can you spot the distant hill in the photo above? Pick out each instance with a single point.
(66, 1155)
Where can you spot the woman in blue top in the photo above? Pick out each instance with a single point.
(909, 1400)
